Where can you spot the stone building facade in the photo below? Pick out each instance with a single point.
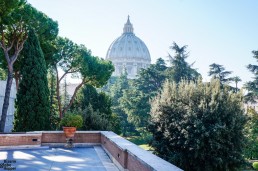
(11, 109)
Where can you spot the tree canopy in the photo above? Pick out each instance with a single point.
(16, 18)
(251, 86)
(217, 71)
(198, 126)
(32, 105)
(180, 69)
(78, 61)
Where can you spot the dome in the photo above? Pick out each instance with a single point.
(128, 52)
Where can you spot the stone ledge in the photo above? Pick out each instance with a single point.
(145, 157)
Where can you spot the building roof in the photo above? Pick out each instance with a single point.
(128, 46)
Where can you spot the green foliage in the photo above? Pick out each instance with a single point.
(180, 69)
(16, 17)
(32, 105)
(99, 101)
(251, 86)
(25, 16)
(255, 165)
(94, 120)
(198, 126)
(71, 120)
(78, 61)
(3, 75)
(54, 118)
(7, 7)
(218, 72)
(251, 132)
(96, 107)
(116, 94)
(135, 99)
(236, 80)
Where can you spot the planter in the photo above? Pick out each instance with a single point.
(69, 131)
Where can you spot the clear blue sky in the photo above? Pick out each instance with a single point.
(223, 32)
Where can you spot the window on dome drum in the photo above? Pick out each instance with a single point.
(121, 48)
(129, 48)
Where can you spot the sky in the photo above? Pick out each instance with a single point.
(216, 31)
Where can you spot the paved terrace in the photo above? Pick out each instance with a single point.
(94, 151)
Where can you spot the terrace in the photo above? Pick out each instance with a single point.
(94, 150)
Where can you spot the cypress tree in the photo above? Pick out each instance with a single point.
(32, 104)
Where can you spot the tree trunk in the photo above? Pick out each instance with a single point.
(58, 94)
(6, 98)
(17, 79)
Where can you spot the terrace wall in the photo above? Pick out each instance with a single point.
(126, 155)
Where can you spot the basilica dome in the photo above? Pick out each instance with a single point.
(128, 52)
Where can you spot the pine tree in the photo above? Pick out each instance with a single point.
(32, 105)
(135, 99)
(117, 91)
(199, 126)
(251, 86)
(180, 69)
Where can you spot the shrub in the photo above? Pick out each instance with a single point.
(198, 126)
(255, 165)
(71, 120)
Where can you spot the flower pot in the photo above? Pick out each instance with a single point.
(69, 131)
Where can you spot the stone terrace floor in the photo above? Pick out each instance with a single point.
(92, 158)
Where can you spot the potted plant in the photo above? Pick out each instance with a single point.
(70, 122)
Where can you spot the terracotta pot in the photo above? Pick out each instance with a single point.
(69, 131)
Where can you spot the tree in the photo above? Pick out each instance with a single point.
(94, 120)
(251, 128)
(16, 16)
(251, 86)
(96, 109)
(236, 80)
(116, 93)
(198, 126)
(180, 69)
(135, 100)
(54, 117)
(78, 61)
(33, 107)
(218, 72)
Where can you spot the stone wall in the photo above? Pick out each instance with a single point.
(10, 112)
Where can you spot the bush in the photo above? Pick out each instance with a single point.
(71, 120)
(94, 120)
(255, 165)
(198, 126)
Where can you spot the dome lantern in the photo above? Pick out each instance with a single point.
(128, 27)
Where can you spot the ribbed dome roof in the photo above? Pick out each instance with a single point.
(128, 46)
